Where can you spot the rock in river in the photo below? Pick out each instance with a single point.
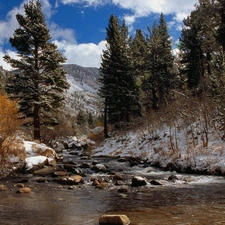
(3, 187)
(138, 181)
(114, 220)
(24, 190)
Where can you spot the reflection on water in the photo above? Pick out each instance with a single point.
(201, 200)
(53, 206)
(199, 204)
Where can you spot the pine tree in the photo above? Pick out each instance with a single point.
(221, 29)
(198, 44)
(138, 49)
(139, 54)
(160, 63)
(219, 78)
(40, 81)
(118, 83)
(82, 118)
(90, 120)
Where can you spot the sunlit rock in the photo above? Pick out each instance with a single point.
(99, 167)
(60, 173)
(70, 180)
(23, 190)
(100, 183)
(117, 177)
(45, 171)
(3, 187)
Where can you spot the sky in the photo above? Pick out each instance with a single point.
(78, 27)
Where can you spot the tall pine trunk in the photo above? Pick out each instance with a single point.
(105, 119)
(37, 133)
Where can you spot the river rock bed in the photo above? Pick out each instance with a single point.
(73, 169)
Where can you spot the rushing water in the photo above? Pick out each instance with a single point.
(191, 200)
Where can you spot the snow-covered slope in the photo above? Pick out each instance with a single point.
(83, 88)
(169, 148)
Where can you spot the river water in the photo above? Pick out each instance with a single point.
(190, 200)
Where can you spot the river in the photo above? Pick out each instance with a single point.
(190, 200)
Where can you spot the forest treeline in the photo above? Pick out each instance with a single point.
(140, 76)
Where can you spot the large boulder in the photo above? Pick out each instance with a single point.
(114, 220)
(44, 171)
(38, 156)
(36, 149)
(138, 181)
(35, 161)
(99, 168)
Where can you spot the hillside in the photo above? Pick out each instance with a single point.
(83, 88)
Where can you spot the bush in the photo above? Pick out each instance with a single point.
(10, 123)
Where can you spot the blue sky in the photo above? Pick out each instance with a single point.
(78, 26)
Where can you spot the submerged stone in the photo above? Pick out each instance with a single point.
(24, 190)
(3, 187)
(114, 220)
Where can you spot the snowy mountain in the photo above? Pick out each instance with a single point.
(83, 88)
(3, 75)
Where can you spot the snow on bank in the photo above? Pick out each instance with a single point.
(37, 154)
(175, 147)
(34, 160)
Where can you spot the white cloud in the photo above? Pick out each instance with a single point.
(47, 8)
(4, 64)
(146, 7)
(88, 54)
(86, 2)
(8, 26)
(143, 8)
(179, 8)
(61, 33)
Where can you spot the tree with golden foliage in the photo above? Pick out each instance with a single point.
(10, 122)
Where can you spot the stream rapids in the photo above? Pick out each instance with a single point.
(189, 200)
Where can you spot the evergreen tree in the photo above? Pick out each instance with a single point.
(118, 87)
(90, 120)
(219, 78)
(139, 54)
(221, 30)
(82, 118)
(198, 44)
(191, 46)
(40, 81)
(160, 63)
(138, 48)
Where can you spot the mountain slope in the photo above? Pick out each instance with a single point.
(83, 88)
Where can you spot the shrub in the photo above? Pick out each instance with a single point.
(10, 122)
